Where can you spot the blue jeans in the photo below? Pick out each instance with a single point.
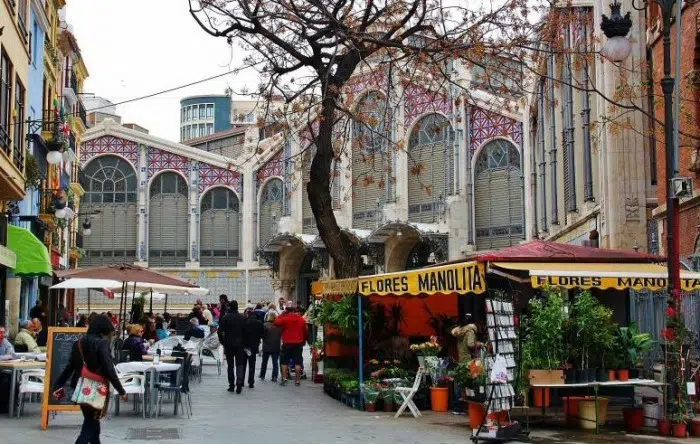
(457, 394)
(275, 364)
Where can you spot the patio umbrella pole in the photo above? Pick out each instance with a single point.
(133, 302)
(89, 290)
(165, 309)
(122, 315)
(359, 331)
(150, 309)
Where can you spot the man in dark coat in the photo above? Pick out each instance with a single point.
(252, 334)
(231, 335)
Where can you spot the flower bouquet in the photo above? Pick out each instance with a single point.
(426, 349)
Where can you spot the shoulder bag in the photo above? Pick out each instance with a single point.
(92, 389)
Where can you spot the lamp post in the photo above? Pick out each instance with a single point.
(616, 28)
(618, 48)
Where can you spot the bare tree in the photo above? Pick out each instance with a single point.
(307, 52)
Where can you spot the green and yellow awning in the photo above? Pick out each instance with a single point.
(32, 255)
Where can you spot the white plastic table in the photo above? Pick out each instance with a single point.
(596, 386)
(148, 367)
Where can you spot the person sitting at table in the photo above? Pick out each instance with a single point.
(212, 340)
(27, 338)
(195, 331)
(135, 344)
(7, 351)
(161, 330)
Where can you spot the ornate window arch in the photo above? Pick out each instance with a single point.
(430, 168)
(498, 196)
(112, 190)
(371, 163)
(271, 199)
(168, 221)
(219, 228)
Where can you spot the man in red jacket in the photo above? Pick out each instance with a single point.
(294, 335)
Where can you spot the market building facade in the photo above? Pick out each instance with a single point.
(243, 226)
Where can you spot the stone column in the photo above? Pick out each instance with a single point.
(193, 198)
(622, 153)
(248, 229)
(13, 287)
(142, 253)
(529, 181)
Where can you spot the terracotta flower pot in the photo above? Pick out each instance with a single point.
(611, 375)
(695, 428)
(439, 399)
(664, 427)
(477, 412)
(388, 406)
(541, 397)
(623, 375)
(634, 419)
(680, 430)
(371, 407)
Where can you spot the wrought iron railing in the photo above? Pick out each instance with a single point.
(81, 112)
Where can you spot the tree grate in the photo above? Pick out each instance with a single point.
(147, 434)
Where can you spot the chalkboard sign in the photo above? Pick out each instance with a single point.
(59, 347)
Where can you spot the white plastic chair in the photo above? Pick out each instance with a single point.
(213, 354)
(134, 384)
(407, 394)
(169, 342)
(30, 382)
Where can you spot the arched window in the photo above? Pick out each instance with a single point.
(219, 228)
(430, 168)
(498, 196)
(270, 210)
(168, 223)
(111, 190)
(370, 160)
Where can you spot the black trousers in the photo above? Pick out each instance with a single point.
(251, 367)
(236, 363)
(275, 364)
(90, 432)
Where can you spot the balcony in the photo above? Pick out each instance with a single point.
(82, 114)
(52, 130)
(70, 88)
(51, 56)
(40, 150)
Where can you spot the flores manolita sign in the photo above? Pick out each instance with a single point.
(620, 282)
(466, 277)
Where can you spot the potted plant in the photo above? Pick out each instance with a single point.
(632, 346)
(370, 393)
(440, 379)
(543, 348)
(317, 356)
(388, 398)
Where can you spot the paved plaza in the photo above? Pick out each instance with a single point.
(269, 414)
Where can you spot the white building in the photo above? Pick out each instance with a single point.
(243, 225)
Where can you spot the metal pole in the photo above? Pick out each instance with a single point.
(360, 340)
(165, 309)
(89, 290)
(667, 86)
(150, 310)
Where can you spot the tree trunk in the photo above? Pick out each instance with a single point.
(340, 246)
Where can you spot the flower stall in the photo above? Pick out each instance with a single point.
(571, 303)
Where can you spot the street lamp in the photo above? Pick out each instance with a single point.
(87, 227)
(617, 48)
(616, 29)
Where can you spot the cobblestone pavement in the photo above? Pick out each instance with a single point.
(267, 414)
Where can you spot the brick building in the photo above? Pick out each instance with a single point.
(689, 151)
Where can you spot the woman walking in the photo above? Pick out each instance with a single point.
(91, 365)
(272, 339)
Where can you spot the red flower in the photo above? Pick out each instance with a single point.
(103, 390)
(671, 312)
(86, 391)
(669, 334)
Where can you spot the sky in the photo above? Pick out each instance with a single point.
(136, 47)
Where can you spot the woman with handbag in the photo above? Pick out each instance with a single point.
(91, 370)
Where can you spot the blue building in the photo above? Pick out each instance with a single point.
(29, 207)
(202, 116)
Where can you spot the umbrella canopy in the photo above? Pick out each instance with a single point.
(156, 296)
(125, 273)
(32, 256)
(82, 283)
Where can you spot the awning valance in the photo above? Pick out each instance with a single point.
(466, 277)
(32, 256)
(600, 275)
